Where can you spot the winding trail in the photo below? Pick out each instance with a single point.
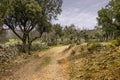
(53, 71)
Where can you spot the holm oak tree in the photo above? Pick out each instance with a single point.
(29, 15)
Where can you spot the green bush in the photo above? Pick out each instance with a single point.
(116, 42)
(94, 46)
(38, 46)
(12, 42)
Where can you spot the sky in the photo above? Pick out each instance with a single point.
(82, 13)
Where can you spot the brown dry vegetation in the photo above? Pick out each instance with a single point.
(94, 61)
(101, 62)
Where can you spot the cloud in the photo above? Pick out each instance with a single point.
(80, 12)
(79, 19)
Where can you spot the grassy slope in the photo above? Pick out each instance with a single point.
(95, 63)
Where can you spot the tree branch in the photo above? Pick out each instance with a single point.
(21, 28)
(34, 39)
(14, 31)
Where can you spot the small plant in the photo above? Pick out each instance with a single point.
(93, 46)
(116, 42)
(12, 42)
(38, 45)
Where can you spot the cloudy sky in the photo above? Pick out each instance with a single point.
(82, 13)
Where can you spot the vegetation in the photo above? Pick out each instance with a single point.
(108, 18)
(116, 42)
(90, 54)
(33, 15)
(102, 64)
(94, 46)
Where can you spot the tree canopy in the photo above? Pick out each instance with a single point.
(109, 18)
(28, 15)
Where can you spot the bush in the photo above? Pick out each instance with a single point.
(38, 45)
(94, 46)
(8, 53)
(116, 42)
(12, 42)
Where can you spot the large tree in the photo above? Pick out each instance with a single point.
(29, 15)
(109, 18)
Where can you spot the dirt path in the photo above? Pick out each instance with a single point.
(53, 71)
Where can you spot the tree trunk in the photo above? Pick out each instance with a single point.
(29, 45)
(24, 43)
(24, 46)
(29, 48)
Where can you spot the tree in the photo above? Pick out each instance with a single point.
(54, 36)
(29, 15)
(109, 18)
(58, 32)
(70, 33)
(1, 26)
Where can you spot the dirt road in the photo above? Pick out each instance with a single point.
(51, 71)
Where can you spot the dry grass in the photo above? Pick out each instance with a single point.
(46, 61)
(96, 65)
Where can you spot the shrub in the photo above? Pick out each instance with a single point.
(116, 42)
(8, 53)
(12, 42)
(94, 46)
(38, 45)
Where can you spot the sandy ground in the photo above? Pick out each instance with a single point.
(53, 71)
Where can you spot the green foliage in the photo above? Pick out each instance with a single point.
(12, 42)
(109, 19)
(58, 30)
(94, 46)
(116, 42)
(38, 45)
(33, 15)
